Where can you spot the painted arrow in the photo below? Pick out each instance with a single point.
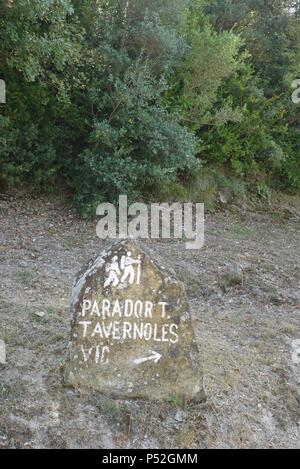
(155, 357)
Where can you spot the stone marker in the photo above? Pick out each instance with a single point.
(132, 334)
(2, 353)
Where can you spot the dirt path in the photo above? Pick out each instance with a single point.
(244, 292)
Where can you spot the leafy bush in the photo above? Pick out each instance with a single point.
(121, 96)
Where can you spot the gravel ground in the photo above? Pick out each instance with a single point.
(243, 288)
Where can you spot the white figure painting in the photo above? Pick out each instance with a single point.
(113, 273)
(129, 271)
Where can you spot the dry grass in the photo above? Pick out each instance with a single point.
(244, 333)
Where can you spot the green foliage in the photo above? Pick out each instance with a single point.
(38, 49)
(210, 60)
(118, 96)
(263, 146)
(135, 144)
